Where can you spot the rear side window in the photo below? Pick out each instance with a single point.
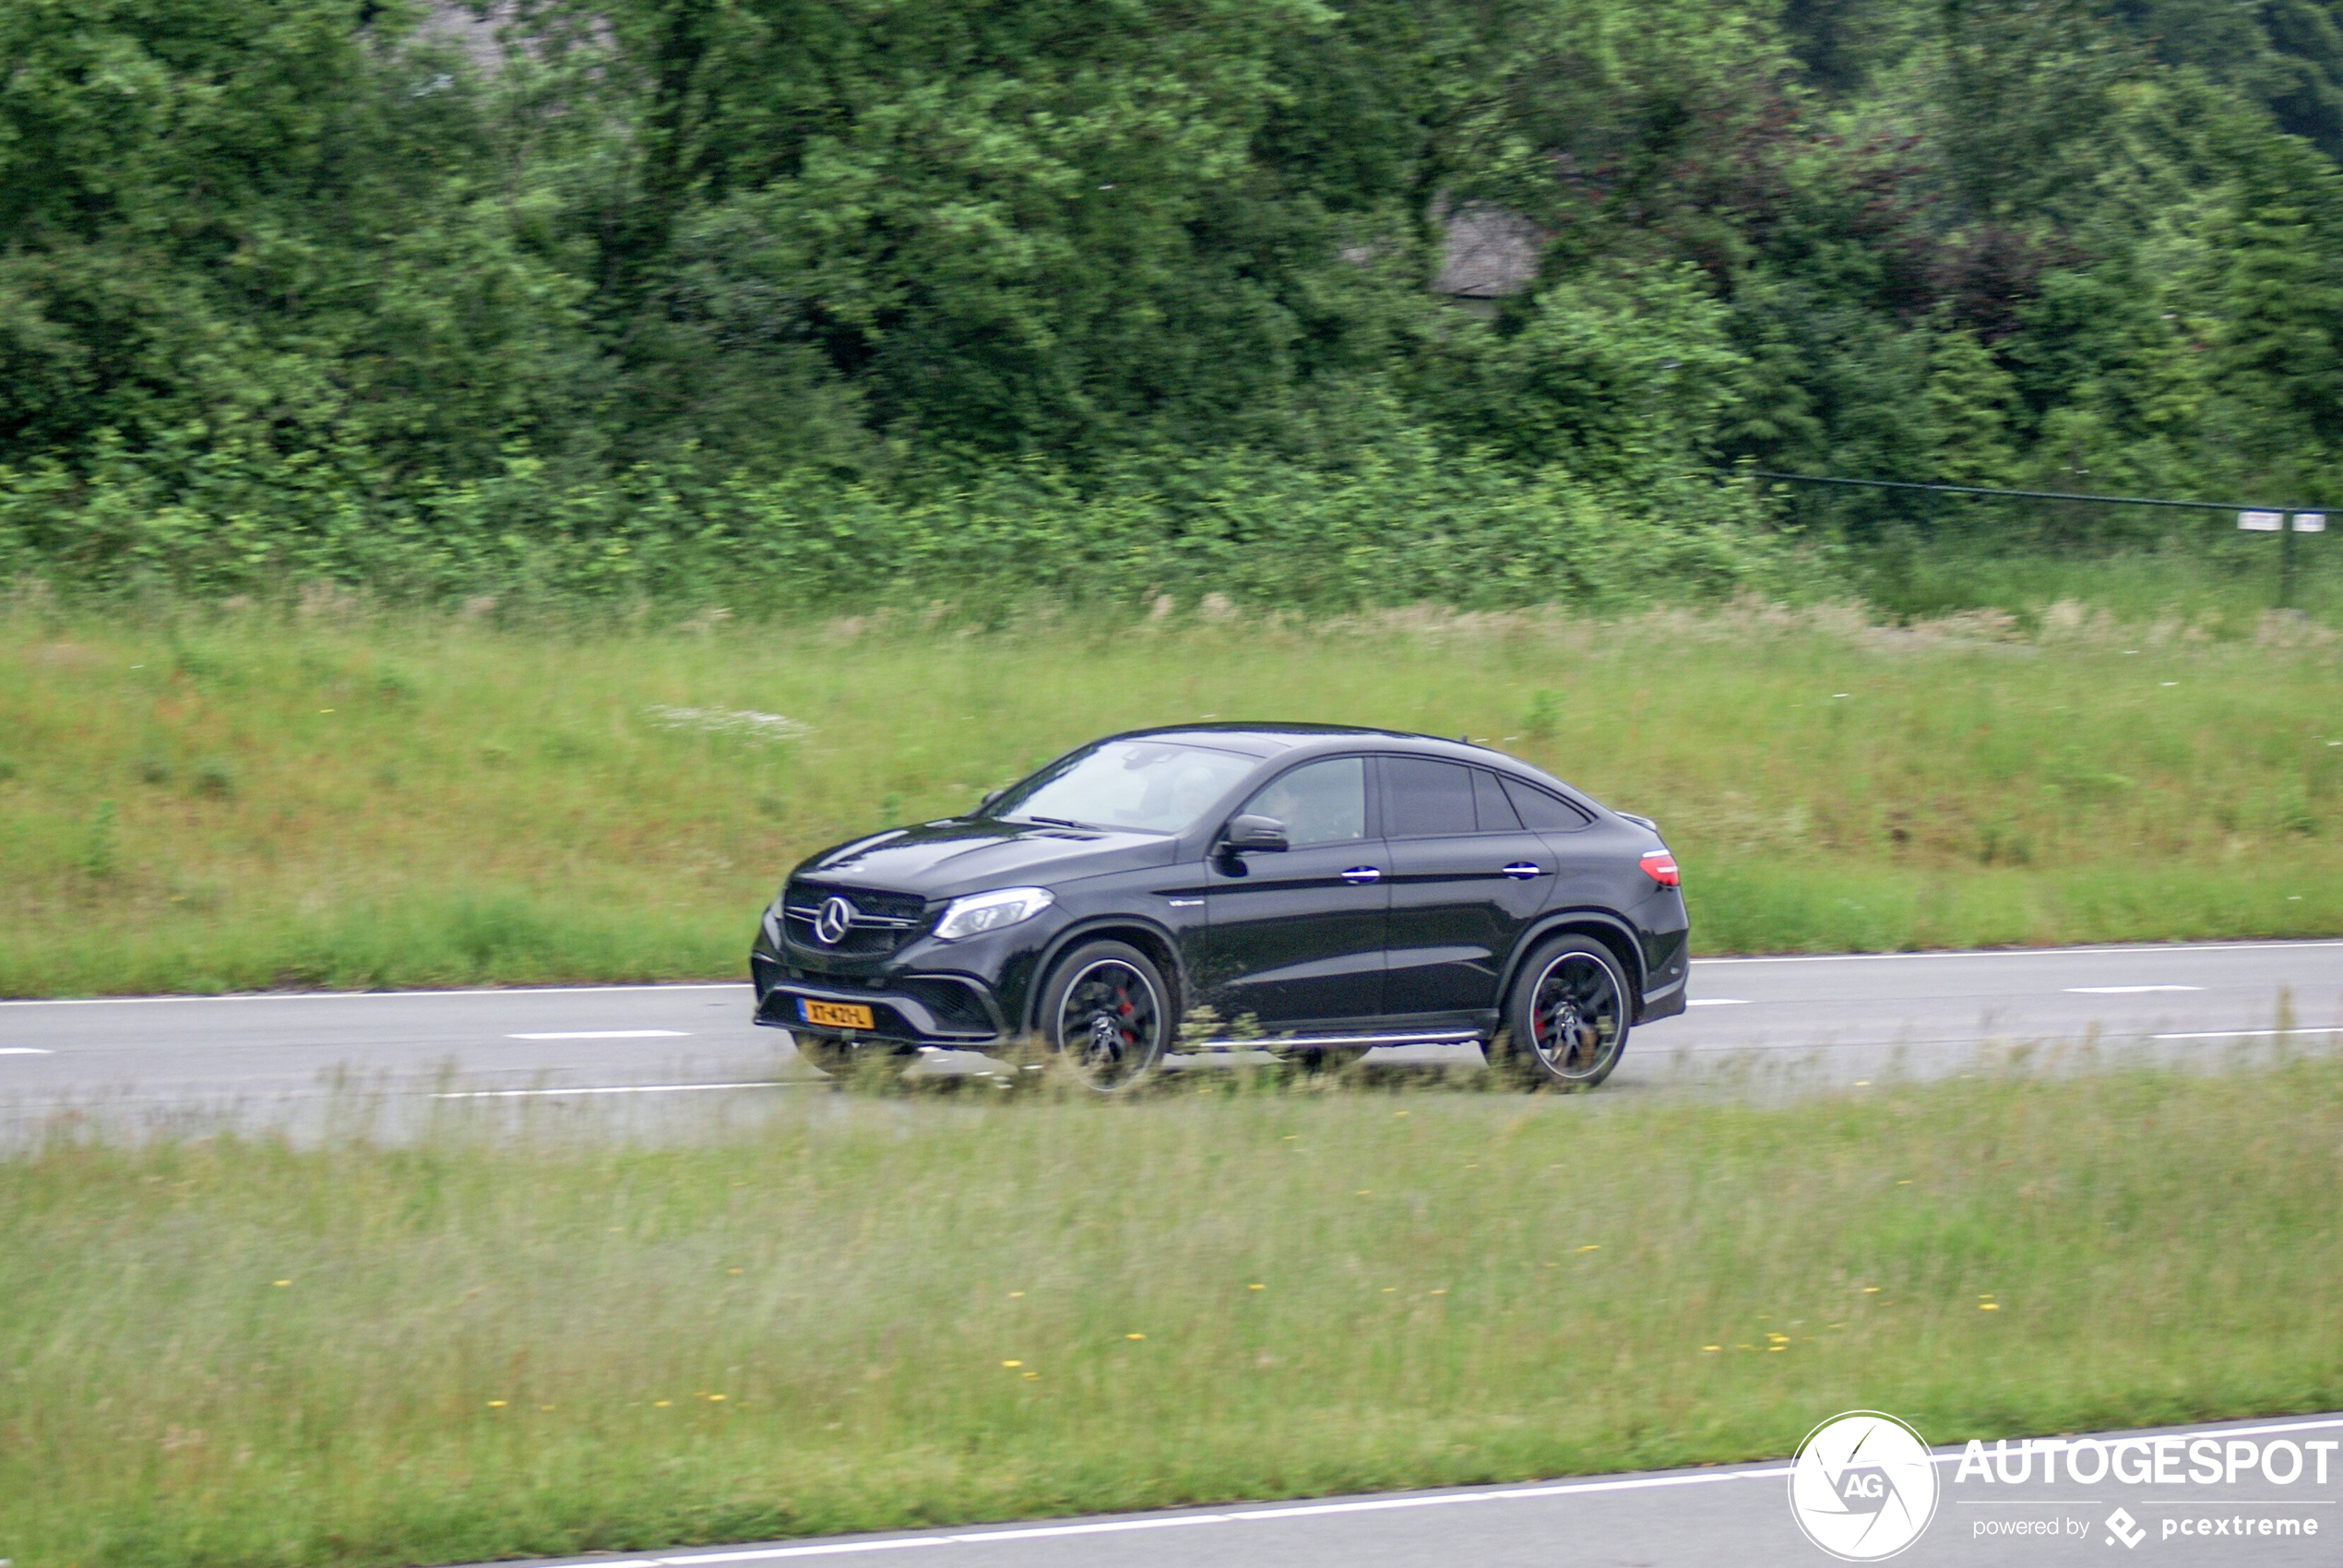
(1542, 813)
(1320, 802)
(1424, 799)
(1490, 804)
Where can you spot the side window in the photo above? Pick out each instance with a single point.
(1542, 813)
(1320, 802)
(1489, 803)
(1423, 799)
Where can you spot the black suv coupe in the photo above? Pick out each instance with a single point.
(1339, 888)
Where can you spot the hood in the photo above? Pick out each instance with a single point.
(944, 859)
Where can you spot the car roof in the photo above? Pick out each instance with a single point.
(1272, 739)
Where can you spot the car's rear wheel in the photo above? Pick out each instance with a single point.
(1568, 1018)
(1108, 1014)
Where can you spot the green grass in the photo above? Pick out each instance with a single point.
(204, 800)
(868, 1312)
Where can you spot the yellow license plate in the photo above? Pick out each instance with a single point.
(835, 1014)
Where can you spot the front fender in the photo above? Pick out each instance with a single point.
(1025, 1007)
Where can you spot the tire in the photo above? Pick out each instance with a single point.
(1107, 1014)
(1566, 1017)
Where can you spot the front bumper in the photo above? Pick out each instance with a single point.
(956, 1010)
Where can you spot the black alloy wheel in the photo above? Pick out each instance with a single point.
(1566, 1021)
(1107, 1011)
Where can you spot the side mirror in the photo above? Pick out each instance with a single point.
(986, 805)
(1264, 834)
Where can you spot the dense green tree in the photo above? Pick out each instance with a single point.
(312, 269)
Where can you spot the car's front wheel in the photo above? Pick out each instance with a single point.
(1108, 1014)
(1567, 1017)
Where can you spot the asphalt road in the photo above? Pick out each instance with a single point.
(1832, 1020)
(1730, 1516)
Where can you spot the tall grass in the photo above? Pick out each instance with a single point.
(197, 800)
(874, 1313)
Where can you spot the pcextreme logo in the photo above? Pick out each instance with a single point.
(1863, 1487)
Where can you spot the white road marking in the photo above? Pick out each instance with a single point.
(1300, 1511)
(623, 1089)
(2025, 952)
(24, 1051)
(375, 995)
(607, 1034)
(1717, 1002)
(2125, 990)
(2250, 1034)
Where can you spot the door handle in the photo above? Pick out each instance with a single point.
(1522, 871)
(1361, 875)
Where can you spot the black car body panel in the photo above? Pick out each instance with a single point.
(1421, 874)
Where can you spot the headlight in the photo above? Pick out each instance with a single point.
(991, 912)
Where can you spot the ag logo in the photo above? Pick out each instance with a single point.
(1863, 1487)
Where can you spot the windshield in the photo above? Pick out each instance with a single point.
(1147, 786)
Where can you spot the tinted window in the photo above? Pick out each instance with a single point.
(1320, 802)
(1541, 812)
(1490, 804)
(1422, 798)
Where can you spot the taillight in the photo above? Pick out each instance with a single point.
(1660, 866)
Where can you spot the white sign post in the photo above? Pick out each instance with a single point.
(2261, 522)
(2310, 522)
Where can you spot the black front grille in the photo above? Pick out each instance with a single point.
(882, 922)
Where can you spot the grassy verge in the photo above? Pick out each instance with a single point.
(888, 1312)
(192, 802)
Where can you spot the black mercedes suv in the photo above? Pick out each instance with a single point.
(1339, 888)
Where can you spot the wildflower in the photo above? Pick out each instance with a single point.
(1134, 1337)
(1707, 1347)
(1364, 1191)
(495, 1403)
(280, 1283)
(1442, 1291)
(1013, 1363)
(663, 1403)
(1014, 1294)
(1870, 1290)
(1256, 1287)
(1033, 1377)
(1592, 1247)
